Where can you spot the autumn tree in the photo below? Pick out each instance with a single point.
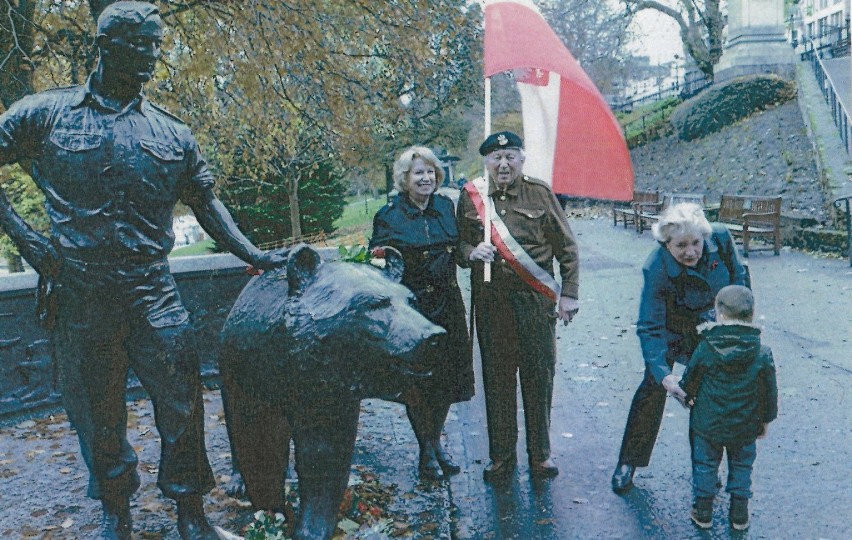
(344, 82)
(701, 24)
(276, 91)
(597, 35)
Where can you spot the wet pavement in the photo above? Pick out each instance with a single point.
(801, 478)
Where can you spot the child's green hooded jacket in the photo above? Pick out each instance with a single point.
(731, 379)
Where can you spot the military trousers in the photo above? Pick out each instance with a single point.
(104, 328)
(516, 332)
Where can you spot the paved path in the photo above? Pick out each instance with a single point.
(839, 70)
(801, 478)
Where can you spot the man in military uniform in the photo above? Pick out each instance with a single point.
(112, 166)
(516, 311)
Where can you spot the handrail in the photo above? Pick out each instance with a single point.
(846, 200)
(839, 112)
(683, 90)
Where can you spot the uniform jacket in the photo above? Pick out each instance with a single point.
(731, 376)
(110, 178)
(676, 299)
(536, 220)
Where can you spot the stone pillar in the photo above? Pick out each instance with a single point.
(756, 41)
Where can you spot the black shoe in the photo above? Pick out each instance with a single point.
(622, 478)
(192, 523)
(499, 469)
(446, 462)
(430, 470)
(702, 512)
(738, 513)
(544, 469)
(116, 523)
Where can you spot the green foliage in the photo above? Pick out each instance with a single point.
(205, 247)
(28, 202)
(357, 213)
(647, 123)
(356, 254)
(723, 105)
(262, 207)
(266, 526)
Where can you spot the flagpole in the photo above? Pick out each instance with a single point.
(486, 201)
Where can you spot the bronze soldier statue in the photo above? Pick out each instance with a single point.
(112, 166)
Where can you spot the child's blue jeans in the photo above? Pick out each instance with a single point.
(707, 455)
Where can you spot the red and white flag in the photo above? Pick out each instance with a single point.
(571, 138)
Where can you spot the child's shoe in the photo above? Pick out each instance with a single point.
(738, 513)
(702, 512)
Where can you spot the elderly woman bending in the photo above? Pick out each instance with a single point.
(421, 224)
(692, 262)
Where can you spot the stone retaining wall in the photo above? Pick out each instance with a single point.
(208, 285)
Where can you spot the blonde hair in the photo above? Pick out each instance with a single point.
(402, 166)
(680, 219)
(735, 302)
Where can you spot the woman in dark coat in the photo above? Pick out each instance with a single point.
(421, 224)
(692, 262)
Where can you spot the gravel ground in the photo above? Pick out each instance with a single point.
(766, 153)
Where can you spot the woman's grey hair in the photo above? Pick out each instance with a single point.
(681, 219)
(402, 166)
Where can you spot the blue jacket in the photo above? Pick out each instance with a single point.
(676, 299)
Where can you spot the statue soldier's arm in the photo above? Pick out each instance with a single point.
(215, 218)
(217, 221)
(20, 140)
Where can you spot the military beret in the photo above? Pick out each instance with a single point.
(500, 141)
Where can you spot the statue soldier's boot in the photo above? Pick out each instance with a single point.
(192, 523)
(116, 523)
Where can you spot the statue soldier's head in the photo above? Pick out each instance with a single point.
(130, 35)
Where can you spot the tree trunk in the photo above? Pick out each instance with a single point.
(295, 211)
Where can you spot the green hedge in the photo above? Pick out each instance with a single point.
(725, 104)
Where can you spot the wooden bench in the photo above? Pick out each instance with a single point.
(748, 216)
(627, 214)
(648, 213)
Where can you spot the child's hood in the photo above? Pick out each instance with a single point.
(733, 344)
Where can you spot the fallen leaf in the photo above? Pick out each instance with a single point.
(347, 525)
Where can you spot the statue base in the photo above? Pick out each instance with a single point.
(754, 50)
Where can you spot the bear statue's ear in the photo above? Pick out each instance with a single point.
(393, 264)
(301, 267)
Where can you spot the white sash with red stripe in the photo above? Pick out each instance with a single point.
(509, 248)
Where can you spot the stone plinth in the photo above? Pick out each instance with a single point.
(756, 42)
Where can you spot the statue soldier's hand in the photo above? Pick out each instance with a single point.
(267, 260)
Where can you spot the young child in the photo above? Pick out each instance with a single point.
(730, 384)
